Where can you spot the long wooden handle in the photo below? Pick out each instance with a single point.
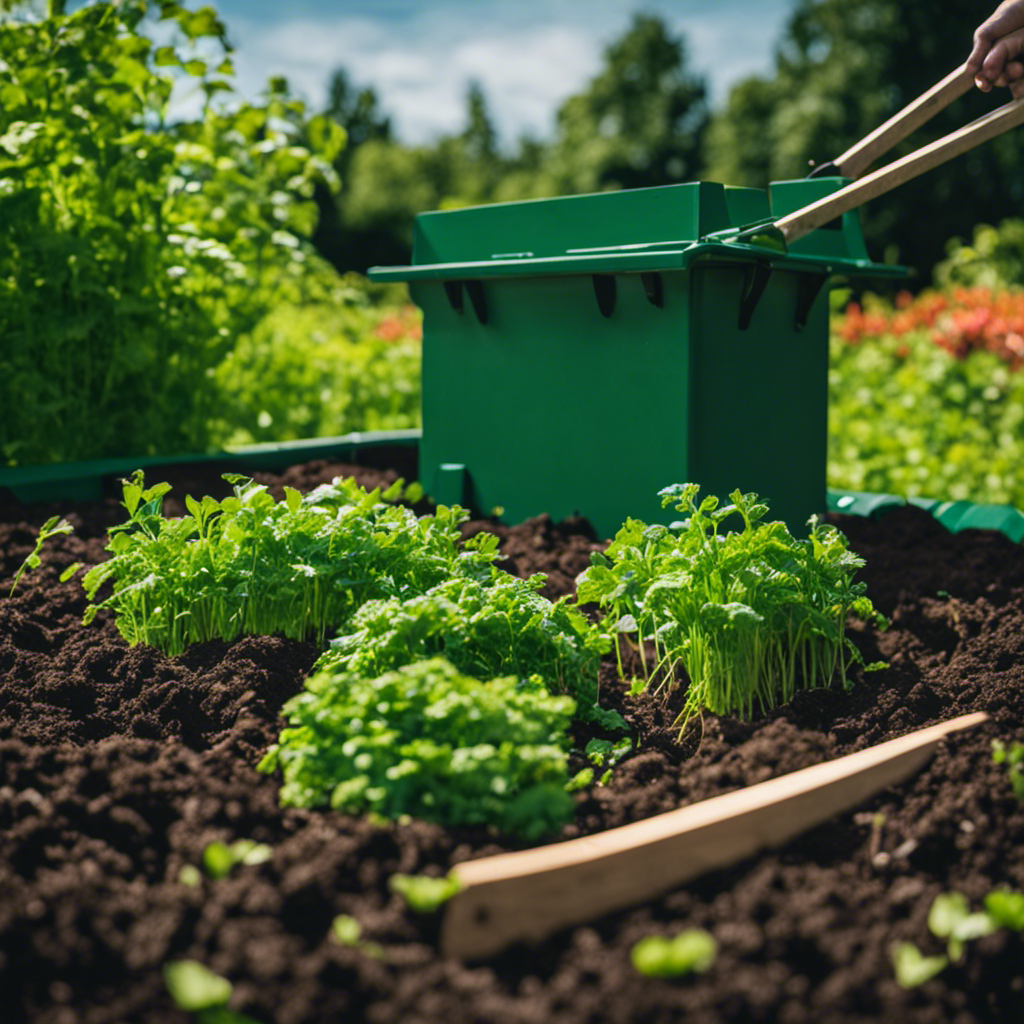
(860, 156)
(801, 222)
(528, 895)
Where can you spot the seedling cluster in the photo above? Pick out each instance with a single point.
(250, 564)
(952, 920)
(752, 615)
(450, 686)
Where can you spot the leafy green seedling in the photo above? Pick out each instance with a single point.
(1013, 758)
(605, 752)
(430, 742)
(752, 615)
(583, 778)
(1006, 908)
(348, 932)
(423, 893)
(195, 987)
(950, 918)
(657, 956)
(912, 967)
(53, 526)
(190, 875)
(220, 859)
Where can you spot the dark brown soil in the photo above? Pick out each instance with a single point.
(119, 765)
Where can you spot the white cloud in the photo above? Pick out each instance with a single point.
(528, 57)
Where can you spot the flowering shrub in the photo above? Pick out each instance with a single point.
(962, 321)
(321, 369)
(926, 397)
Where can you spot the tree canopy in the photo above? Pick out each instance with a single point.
(842, 67)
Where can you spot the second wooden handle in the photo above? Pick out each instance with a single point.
(859, 157)
(803, 221)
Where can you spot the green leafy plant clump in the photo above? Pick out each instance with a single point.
(134, 252)
(249, 563)
(428, 741)
(485, 628)
(752, 615)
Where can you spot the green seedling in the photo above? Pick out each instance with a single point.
(1013, 758)
(250, 564)
(51, 528)
(751, 615)
(220, 859)
(348, 932)
(190, 875)
(489, 626)
(1006, 908)
(912, 967)
(950, 918)
(423, 893)
(693, 950)
(195, 987)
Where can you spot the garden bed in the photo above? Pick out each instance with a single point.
(118, 766)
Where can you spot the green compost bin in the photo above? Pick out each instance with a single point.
(581, 353)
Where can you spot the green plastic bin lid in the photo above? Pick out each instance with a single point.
(630, 231)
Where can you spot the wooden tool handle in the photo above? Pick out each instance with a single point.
(528, 895)
(801, 222)
(859, 157)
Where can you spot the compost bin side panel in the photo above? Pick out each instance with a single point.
(759, 396)
(553, 407)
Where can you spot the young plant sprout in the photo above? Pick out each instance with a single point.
(250, 564)
(752, 615)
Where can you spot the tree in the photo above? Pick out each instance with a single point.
(844, 67)
(640, 122)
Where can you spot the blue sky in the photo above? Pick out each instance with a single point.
(528, 55)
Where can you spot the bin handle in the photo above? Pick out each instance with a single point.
(862, 154)
(801, 222)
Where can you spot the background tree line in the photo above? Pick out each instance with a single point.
(841, 68)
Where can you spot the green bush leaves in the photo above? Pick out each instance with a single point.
(428, 741)
(134, 252)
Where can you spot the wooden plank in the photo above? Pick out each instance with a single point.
(527, 896)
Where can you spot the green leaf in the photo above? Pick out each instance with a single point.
(693, 950)
(218, 860)
(203, 22)
(166, 56)
(189, 875)
(1006, 908)
(194, 987)
(583, 778)
(913, 968)
(423, 893)
(70, 571)
(947, 912)
(347, 930)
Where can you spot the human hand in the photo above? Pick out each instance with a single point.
(998, 55)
